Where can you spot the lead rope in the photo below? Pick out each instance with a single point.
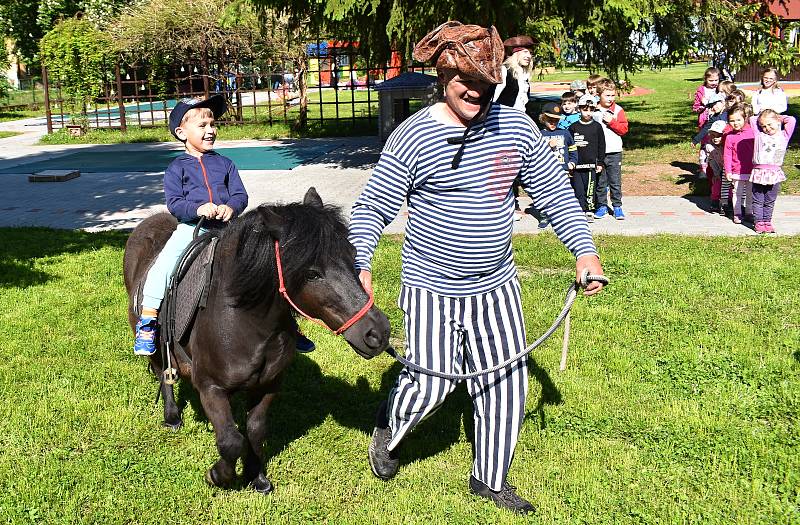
(572, 293)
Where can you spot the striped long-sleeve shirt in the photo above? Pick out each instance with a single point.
(460, 221)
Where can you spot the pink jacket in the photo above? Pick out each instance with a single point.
(738, 153)
(700, 98)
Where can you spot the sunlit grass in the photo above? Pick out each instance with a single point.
(679, 404)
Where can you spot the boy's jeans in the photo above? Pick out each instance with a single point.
(610, 179)
(158, 277)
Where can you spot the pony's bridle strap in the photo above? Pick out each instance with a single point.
(282, 289)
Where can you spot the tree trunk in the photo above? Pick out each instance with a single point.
(302, 62)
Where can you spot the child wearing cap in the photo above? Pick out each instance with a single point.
(711, 162)
(716, 109)
(612, 117)
(559, 141)
(198, 183)
(578, 87)
(569, 104)
(590, 144)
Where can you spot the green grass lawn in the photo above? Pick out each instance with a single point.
(6, 134)
(680, 403)
(16, 98)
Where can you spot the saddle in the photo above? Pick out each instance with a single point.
(188, 289)
(187, 292)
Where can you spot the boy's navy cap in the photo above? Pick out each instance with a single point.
(552, 110)
(216, 104)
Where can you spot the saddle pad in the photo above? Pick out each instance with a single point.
(191, 289)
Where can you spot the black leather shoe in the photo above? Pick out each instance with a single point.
(505, 498)
(383, 462)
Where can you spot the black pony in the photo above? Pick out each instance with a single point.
(245, 337)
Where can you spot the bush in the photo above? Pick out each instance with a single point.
(76, 55)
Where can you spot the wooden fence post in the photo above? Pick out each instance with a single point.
(47, 100)
(123, 123)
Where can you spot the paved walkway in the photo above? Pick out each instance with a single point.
(99, 201)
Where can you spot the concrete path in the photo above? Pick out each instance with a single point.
(99, 201)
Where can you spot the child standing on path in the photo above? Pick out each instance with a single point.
(590, 143)
(711, 161)
(615, 124)
(560, 142)
(738, 159)
(772, 133)
(706, 89)
(199, 183)
(770, 96)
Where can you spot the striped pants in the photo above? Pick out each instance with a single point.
(458, 335)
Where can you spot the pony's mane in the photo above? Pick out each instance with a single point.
(310, 236)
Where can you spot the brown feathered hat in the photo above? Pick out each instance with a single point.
(471, 49)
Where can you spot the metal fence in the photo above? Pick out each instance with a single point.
(339, 87)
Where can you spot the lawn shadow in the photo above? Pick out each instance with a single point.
(796, 355)
(22, 247)
(698, 188)
(550, 395)
(308, 397)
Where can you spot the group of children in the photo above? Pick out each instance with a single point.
(585, 132)
(742, 146)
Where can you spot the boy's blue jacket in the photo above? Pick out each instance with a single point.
(187, 186)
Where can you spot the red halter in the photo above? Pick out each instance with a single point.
(282, 289)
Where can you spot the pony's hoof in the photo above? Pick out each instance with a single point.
(174, 426)
(262, 485)
(211, 479)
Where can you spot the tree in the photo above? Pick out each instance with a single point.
(77, 57)
(26, 21)
(737, 33)
(617, 36)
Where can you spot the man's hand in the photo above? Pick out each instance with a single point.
(224, 212)
(207, 210)
(365, 276)
(591, 263)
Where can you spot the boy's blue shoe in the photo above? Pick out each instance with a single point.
(145, 341)
(304, 345)
(601, 212)
(618, 213)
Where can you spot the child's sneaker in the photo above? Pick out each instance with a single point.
(304, 345)
(737, 219)
(145, 341)
(618, 213)
(589, 216)
(759, 227)
(768, 228)
(725, 211)
(715, 207)
(601, 212)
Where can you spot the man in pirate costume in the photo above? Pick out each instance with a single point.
(453, 164)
